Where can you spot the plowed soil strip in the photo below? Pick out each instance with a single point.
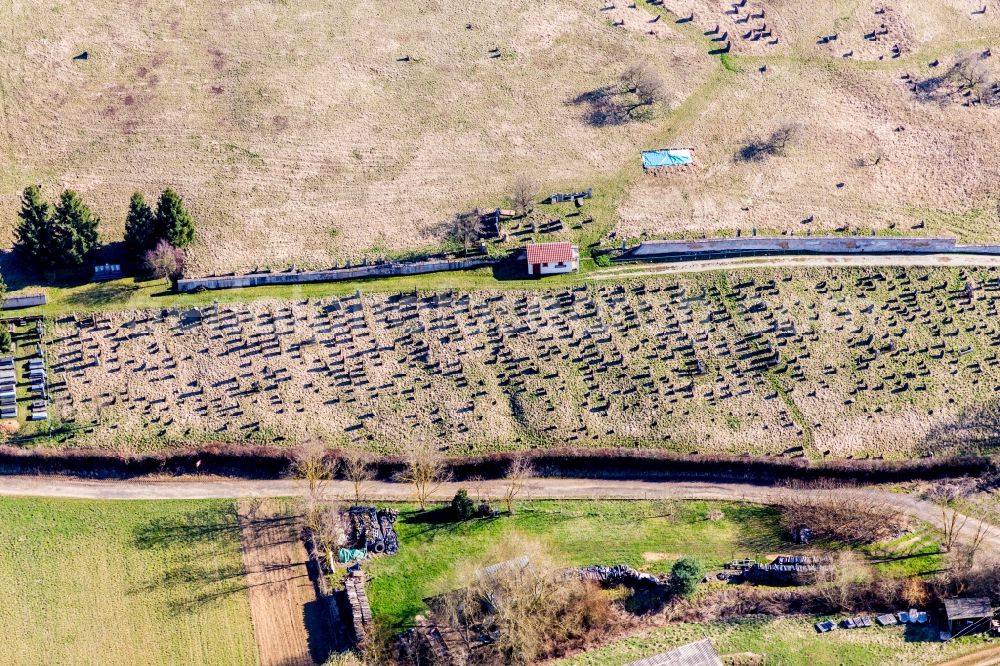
(287, 621)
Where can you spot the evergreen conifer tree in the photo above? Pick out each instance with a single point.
(139, 227)
(75, 231)
(34, 233)
(173, 222)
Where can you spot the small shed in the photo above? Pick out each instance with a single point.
(700, 653)
(966, 615)
(667, 157)
(551, 258)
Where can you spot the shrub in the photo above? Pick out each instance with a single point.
(5, 342)
(685, 576)
(602, 260)
(166, 261)
(461, 506)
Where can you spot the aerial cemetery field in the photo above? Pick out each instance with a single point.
(874, 117)
(846, 363)
(859, 151)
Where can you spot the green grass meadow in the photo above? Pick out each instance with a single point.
(646, 535)
(785, 642)
(139, 582)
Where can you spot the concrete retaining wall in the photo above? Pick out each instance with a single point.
(333, 275)
(793, 245)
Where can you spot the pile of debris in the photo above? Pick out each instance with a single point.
(618, 575)
(783, 570)
(372, 529)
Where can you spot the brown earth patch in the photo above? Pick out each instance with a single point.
(287, 621)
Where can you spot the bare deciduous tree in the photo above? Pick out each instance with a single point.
(425, 470)
(166, 261)
(467, 227)
(952, 526)
(523, 193)
(322, 517)
(519, 471)
(645, 83)
(358, 469)
(836, 584)
(771, 146)
(320, 513)
(966, 552)
(973, 73)
(851, 517)
(529, 612)
(312, 465)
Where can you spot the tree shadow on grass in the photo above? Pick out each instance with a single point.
(762, 536)
(602, 107)
(442, 521)
(203, 525)
(921, 633)
(192, 576)
(100, 294)
(20, 274)
(976, 429)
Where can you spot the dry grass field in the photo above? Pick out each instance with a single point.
(865, 154)
(854, 362)
(295, 131)
(798, 28)
(312, 132)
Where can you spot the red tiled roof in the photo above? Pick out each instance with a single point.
(549, 253)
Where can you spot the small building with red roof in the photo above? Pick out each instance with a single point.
(551, 258)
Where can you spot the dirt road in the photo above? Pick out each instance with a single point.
(988, 657)
(201, 488)
(650, 269)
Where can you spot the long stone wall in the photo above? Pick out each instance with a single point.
(793, 245)
(333, 275)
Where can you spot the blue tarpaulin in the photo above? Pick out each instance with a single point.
(667, 157)
(348, 554)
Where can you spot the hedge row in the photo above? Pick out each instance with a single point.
(272, 462)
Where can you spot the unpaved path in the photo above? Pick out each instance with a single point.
(652, 268)
(988, 657)
(541, 488)
(287, 619)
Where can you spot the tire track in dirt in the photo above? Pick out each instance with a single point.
(287, 618)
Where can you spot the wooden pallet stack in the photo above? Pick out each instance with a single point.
(357, 598)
